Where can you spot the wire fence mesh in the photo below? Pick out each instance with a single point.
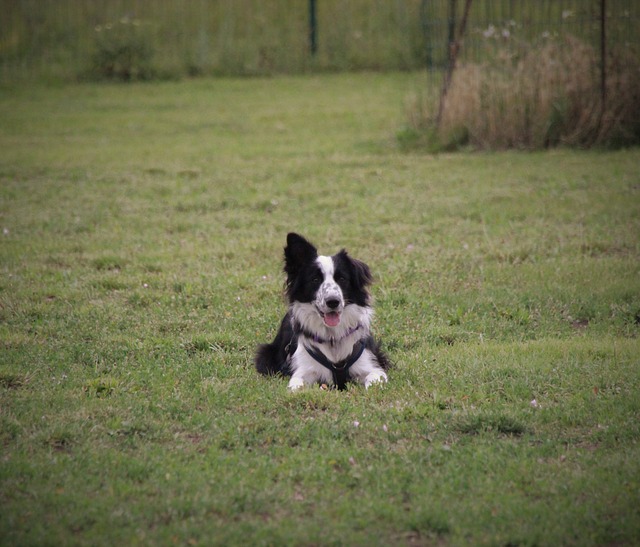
(522, 22)
(533, 74)
(173, 38)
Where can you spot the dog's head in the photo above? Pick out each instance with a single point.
(328, 283)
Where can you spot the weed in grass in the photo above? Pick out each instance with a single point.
(11, 380)
(101, 387)
(490, 423)
(111, 263)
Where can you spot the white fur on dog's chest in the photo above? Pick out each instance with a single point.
(306, 370)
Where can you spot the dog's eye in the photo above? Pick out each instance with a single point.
(316, 277)
(341, 278)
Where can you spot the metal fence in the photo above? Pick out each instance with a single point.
(519, 23)
(533, 74)
(66, 39)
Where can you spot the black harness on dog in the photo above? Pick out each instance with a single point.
(339, 370)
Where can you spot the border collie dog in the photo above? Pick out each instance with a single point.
(324, 337)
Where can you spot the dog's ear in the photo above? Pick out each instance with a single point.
(361, 272)
(297, 253)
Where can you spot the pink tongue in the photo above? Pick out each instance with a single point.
(332, 319)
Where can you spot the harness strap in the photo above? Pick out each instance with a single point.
(297, 328)
(339, 370)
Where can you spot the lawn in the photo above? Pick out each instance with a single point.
(140, 264)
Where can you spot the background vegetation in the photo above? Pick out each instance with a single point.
(530, 74)
(68, 39)
(548, 94)
(140, 256)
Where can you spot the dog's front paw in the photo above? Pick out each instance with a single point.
(374, 378)
(295, 384)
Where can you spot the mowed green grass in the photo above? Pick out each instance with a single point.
(140, 258)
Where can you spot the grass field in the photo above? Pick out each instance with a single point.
(142, 232)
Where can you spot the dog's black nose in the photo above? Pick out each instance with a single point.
(333, 303)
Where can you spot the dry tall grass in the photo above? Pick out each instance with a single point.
(549, 95)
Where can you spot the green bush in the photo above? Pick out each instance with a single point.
(123, 52)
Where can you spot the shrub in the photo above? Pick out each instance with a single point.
(123, 51)
(549, 95)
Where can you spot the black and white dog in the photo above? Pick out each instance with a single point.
(325, 336)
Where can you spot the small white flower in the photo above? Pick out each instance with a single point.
(534, 404)
(356, 423)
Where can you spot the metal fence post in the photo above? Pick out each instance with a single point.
(454, 48)
(313, 27)
(603, 54)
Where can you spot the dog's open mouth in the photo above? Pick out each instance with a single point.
(331, 319)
